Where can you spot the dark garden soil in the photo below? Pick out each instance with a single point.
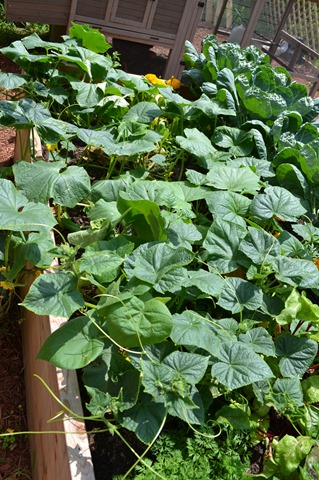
(14, 450)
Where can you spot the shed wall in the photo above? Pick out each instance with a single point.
(38, 11)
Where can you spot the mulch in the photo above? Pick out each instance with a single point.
(15, 462)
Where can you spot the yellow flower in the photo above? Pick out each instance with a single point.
(316, 262)
(154, 79)
(52, 147)
(37, 273)
(7, 285)
(174, 83)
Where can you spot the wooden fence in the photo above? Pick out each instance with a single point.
(303, 21)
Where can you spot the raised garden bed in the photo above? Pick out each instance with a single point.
(190, 284)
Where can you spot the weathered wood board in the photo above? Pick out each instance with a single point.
(55, 456)
(38, 11)
(64, 455)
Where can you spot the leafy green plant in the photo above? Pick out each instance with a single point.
(191, 290)
(197, 455)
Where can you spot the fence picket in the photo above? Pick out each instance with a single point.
(302, 22)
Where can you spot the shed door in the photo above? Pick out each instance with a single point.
(168, 16)
(132, 12)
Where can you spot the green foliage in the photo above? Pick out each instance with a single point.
(191, 287)
(196, 455)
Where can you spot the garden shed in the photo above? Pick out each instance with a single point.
(151, 22)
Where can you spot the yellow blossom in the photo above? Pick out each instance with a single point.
(52, 147)
(151, 77)
(174, 83)
(7, 285)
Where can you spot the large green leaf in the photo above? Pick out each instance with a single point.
(263, 168)
(54, 294)
(54, 131)
(143, 112)
(189, 408)
(133, 323)
(160, 265)
(87, 94)
(287, 391)
(258, 103)
(173, 382)
(308, 232)
(206, 282)
(144, 419)
(238, 294)
(238, 142)
(143, 190)
(309, 163)
(42, 181)
(102, 264)
(196, 143)
(24, 113)
(97, 138)
(212, 108)
(260, 246)
(145, 217)
(190, 366)
(10, 81)
(241, 180)
(290, 177)
(226, 79)
(296, 272)
(297, 354)
(290, 246)
(259, 340)
(180, 233)
(35, 248)
(19, 54)
(75, 344)
(103, 210)
(238, 366)
(277, 202)
(222, 243)
(185, 190)
(17, 214)
(91, 38)
(191, 329)
(228, 205)
(235, 416)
